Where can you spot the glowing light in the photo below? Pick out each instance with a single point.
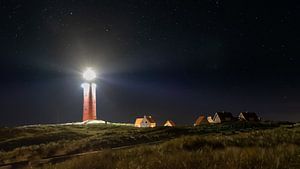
(89, 74)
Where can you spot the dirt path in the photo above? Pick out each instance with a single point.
(56, 159)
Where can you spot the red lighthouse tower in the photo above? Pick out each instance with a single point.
(89, 96)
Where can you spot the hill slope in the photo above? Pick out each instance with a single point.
(216, 143)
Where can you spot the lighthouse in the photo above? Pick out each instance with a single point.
(89, 95)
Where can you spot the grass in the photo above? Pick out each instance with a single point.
(266, 149)
(184, 143)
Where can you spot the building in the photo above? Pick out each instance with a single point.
(210, 120)
(146, 121)
(201, 120)
(169, 123)
(89, 96)
(221, 117)
(248, 116)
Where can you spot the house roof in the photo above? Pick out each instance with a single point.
(201, 119)
(138, 120)
(150, 119)
(223, 115)
(250, 116)
(171, 122)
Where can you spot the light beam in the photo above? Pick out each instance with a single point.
(89, 74)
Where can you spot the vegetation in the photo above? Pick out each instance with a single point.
(269, 149)
(239, 145)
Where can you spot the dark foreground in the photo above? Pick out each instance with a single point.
(234, 146)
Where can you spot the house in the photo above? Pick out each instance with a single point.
(210, 120)
(221, 117)
(146, 121)
(248, 116)
(201, 120)
(169, 123)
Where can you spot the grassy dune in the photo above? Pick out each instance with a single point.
(268, 149)
(262, 145)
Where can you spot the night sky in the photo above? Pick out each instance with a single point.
(169, 59)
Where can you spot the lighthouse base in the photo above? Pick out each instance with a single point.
(94, 122)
